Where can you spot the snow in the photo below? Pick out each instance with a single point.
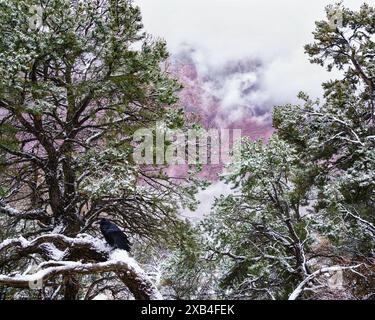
(98, 244)
(101, 296)
(123, 257)
(58, 229)
(82, 239)
(54, 253)
(117, 259)
(324, 270)
(24, 243)
(10, 210)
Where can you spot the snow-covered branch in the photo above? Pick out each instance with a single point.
(55, 247)
(366, 224)
(37, 214)
(334, 119)
(82, 255)
(317, 273)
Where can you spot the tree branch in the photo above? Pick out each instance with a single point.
(317, 273)
(55, 247)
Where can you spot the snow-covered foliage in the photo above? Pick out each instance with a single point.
(299, 222)
(77, 79)
(303, 205)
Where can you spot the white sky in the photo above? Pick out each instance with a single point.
(274, 31)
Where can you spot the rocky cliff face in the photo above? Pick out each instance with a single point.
(222, 95)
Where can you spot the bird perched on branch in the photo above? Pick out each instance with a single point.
(113, 235)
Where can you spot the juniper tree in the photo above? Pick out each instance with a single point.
(74, 87)
(260, 235)
(336, 137)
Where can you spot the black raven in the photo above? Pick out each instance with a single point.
(113, 235)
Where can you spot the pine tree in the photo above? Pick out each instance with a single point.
(77, 79)
(337, 137)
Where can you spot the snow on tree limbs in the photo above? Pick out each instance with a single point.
(75, 256)
(72, 92)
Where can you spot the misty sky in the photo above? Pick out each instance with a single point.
(274, 31)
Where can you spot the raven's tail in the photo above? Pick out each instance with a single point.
(121, 241)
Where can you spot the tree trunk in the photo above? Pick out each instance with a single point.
(71, 288)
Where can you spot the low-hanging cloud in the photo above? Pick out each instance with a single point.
(272, 31)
